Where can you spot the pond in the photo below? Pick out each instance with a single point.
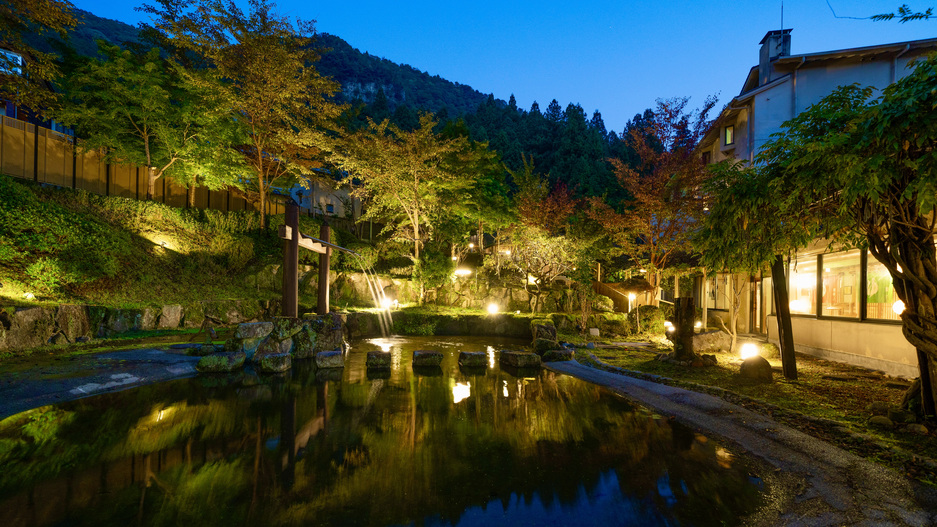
(353, 447)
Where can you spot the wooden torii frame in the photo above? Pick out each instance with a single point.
(293, 241)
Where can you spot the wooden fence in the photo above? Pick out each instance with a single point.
(45, 156)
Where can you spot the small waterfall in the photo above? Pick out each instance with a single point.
(378, 297)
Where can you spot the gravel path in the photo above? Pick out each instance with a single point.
(820, 484)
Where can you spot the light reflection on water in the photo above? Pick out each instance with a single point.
(441, 446)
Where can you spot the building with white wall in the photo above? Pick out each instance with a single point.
(842, 303)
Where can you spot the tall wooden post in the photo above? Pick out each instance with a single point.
(322, 305)
(290, 306)
(785, 331)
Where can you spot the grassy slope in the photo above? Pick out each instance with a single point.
(72, 246)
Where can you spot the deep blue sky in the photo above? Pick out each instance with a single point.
(614, 56)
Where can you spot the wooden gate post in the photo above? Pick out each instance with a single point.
(322, 304)
(290, 306)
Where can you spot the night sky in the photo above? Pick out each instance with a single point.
(617, 57)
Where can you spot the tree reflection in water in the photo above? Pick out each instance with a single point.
(400, 448)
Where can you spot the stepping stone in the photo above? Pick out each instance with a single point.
(520, 359)
(473, 359)
(898, 385)
(330, 359)
(559, 355)
(426, 358)
(378, 360)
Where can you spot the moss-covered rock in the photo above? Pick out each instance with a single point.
(221, 362)
(286, 327)
(542, 345)
(426, 358)
(170, 316)
(472, 359)
(253, 330)
(275, 363)
(304, 344)
(542, 328)
(378, 360)
(330, 359)
(520, 359)
(557, 355)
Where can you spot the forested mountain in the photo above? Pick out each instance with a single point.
(565, 143)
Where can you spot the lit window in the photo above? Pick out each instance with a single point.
(802, 287)
(729, 135)
(329, 208)
(841, 284)
(880, 292)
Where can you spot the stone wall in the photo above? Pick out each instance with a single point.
(29, 327)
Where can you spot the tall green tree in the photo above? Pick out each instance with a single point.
(25, 78)
(405, 175)
(259, 65)
(139, 109)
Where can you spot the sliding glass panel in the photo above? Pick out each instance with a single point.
(881, 298)
(802, 287)
(841, 275)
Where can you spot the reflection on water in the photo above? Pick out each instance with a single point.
(438, 447)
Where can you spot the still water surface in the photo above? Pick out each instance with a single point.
(351, 447)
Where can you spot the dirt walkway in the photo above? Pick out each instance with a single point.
(823, 485)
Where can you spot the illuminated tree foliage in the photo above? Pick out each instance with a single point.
(259, 66)
(139, 109)
(654, 226)
(27, 82)
(406, 175)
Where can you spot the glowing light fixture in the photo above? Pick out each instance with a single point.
(669, 326)
(643, 270)
(518, 312)
(463, 271)
(632, 296)
(799, 306)
(461, 391)
(492, 308)
(29, 296)
(471, 246)
(386, 303)
(898, 307)
(698, 324)
(455, 258)
(749, 350)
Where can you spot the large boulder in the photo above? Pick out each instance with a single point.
(120, 321)
(149, 319)
(557, 355)
(26, 327)
(286, 327)
(711, 341)
(543, 345)
(221, 362)
(304, 344)
(274, 362)
(542, 329)
(252, 330)
(73, 321)
(170, 316)
(757, 369)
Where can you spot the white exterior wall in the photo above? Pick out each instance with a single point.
(878, 346)
(871, 345)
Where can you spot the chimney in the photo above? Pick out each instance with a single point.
(777, 43)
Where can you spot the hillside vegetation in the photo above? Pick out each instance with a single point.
(60, 245)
